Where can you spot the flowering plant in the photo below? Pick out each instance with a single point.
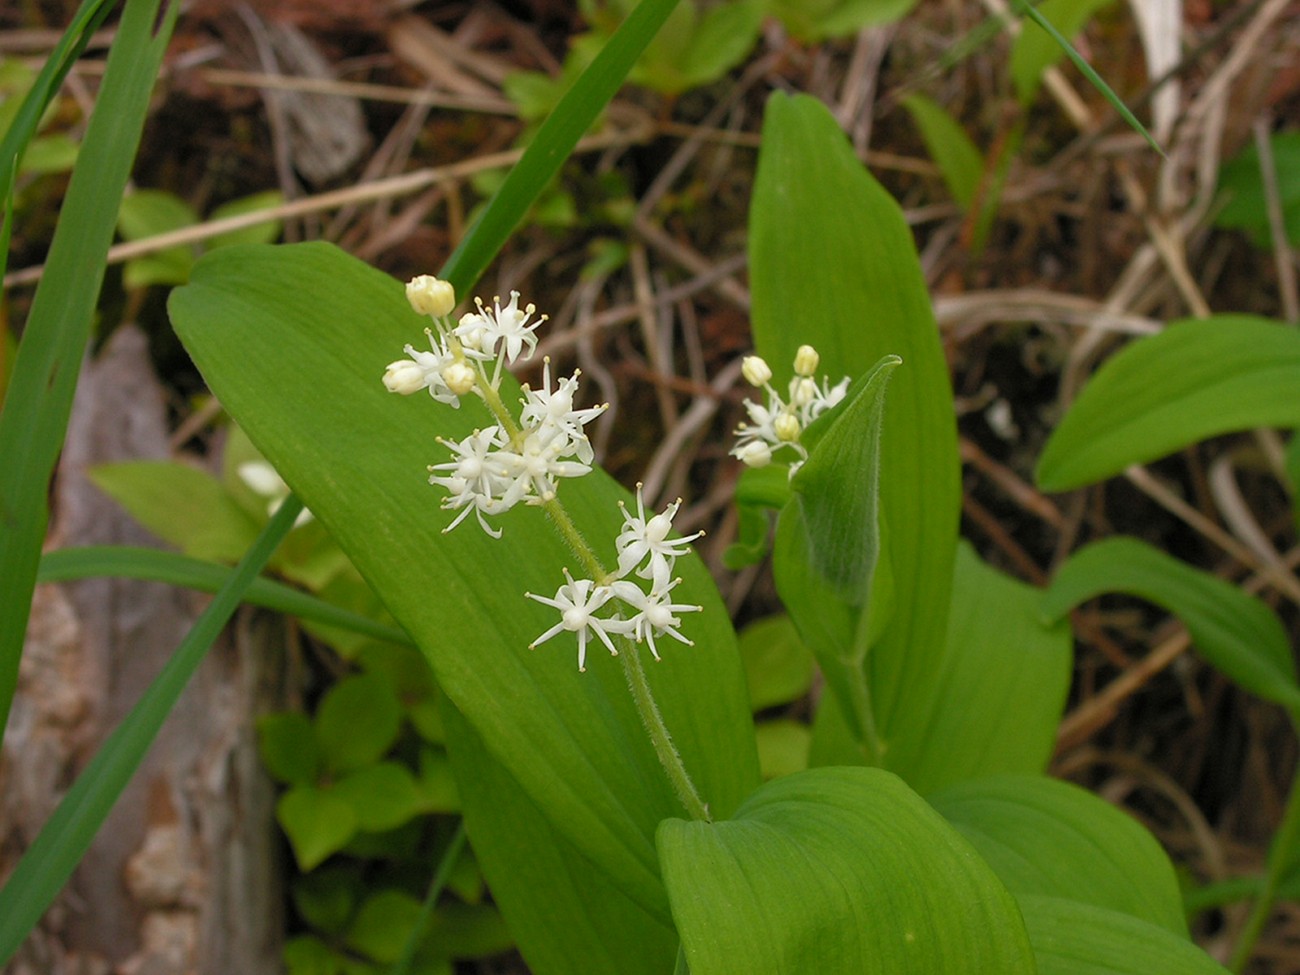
(627, 799)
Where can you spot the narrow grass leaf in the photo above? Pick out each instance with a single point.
(1196, 379)
(64, 839)
(1234, 631)
(66, 565)
(34, 417)
(958, 159)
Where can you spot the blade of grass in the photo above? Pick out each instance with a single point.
(1117, 103)
(71, 45)
(153, 565)
(64, 839)
(553, 143)
(34, 417)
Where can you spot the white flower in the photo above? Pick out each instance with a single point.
(578, 602)
(780, 424)
(644, 543)
(655, 612)
(459, 377)
(540, 462)
(478, 478)
(484, 329)
(544, 408)
(787, 427)
(404, 376)
(431, 296)
(755, 453)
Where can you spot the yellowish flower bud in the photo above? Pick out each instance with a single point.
(806, 361)
(786, 427)
(755, 454)
(459, 377)
(755, 370)
(802, 392)
(431, 296)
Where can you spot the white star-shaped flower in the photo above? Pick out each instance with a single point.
(655, 612)
(578, 601)
(509, 326)
(644, 543)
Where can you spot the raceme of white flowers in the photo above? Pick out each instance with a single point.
(497, 467)
(779, 425)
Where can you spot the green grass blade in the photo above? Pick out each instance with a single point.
(20, 133)
(35, 414)
(64, 839)
(554, 141)
(1094, 79)
(153, 565)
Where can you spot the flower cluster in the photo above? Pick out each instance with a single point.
(630, 609)
(781, 422)
(495, 468)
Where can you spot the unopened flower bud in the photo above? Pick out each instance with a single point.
(786, 427)
(404, 376)
(806, 360)
(459, 377)
(755, 370)
(431, 296)
(802, 392)
(755, 454)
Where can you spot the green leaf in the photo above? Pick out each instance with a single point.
(837, 870)
(853, 288)
(383, 795)
(357, 722)
(435, 784)
(38, 400)
(949, 146)
(382, 925)
(327, 897)
(782, 746)
(147, 213)
(1048, 838)
(536, 876)
(1070, 938)
(815, 20)
(181, 505)
(1241, 185)
(778, 666)
(1234, 631)
(1003, 685)
(1196, 379)
(287, 745)
(259, 233)
(1036, 50)
(317, 823)
(306, 955)
(467, 931)
(293, 372)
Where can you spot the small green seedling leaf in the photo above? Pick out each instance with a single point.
(1235, 632)
(326, 898)
(307, 955)
(317, 824)
(1241, 184)
(357, 722)
(148, 213)
(778, 666)
(260, 233)
(287, 745)
(815, 20)
(837, 870)
(1196, 379)
(782, 747)
(383, 796)
(382, 925)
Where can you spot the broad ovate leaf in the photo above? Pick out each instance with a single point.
(837, 870)
(1043, 837)
(293, 340)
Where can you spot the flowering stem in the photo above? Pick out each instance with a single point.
(669, 757)
(642, 696)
